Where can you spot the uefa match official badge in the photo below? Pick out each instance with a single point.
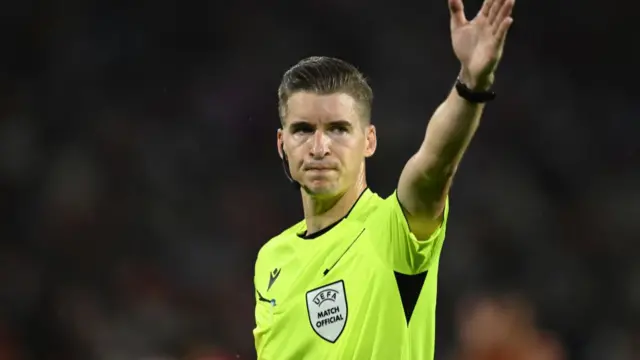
(327, 308)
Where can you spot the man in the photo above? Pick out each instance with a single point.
(326, 288)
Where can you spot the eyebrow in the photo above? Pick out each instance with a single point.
(298, 123)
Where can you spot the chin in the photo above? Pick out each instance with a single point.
(321, 188)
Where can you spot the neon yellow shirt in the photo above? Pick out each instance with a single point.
(336, 295)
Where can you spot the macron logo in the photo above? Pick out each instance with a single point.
(273, 276)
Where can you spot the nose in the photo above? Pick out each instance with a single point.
(320, 145)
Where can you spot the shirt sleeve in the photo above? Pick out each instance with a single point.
(261, 311)
(407, 254)
(262, 321)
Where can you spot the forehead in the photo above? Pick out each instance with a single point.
(317, 108)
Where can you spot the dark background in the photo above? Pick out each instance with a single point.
(139, 175)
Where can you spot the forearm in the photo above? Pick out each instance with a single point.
(427, 177)
(448, 135)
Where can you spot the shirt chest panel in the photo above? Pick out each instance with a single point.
(324, 294)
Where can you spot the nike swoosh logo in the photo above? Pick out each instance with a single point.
(326, 271)
(273, 277)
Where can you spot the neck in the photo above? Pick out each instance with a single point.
(321, 212)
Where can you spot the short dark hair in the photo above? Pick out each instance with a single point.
(325, 75)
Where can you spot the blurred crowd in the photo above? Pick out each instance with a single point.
(139, 175)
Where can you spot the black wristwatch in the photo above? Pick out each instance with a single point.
(473, 96)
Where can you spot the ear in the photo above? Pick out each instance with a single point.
(370, 141)
(280, 144)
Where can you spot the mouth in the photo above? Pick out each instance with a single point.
(319, 167)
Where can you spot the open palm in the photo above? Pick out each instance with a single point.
(478, 43)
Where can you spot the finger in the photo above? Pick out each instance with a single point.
(486, 5)
(503, 29)
(456, 8)
(503, 13)
(493, 11)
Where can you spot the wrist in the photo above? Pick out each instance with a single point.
(476, 83)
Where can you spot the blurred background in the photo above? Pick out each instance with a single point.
(139, 175)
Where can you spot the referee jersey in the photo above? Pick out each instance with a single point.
(338, 294)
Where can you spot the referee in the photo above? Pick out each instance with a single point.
(326, 288)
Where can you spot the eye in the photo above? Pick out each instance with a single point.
(302, 129)
(339, 129)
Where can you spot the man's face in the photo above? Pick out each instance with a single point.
(325, 142)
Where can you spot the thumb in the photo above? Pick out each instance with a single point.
(456, 8)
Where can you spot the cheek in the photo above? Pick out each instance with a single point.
(351, 158)
(358, 149)
(296, 156)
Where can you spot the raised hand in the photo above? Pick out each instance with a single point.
(478, 43)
